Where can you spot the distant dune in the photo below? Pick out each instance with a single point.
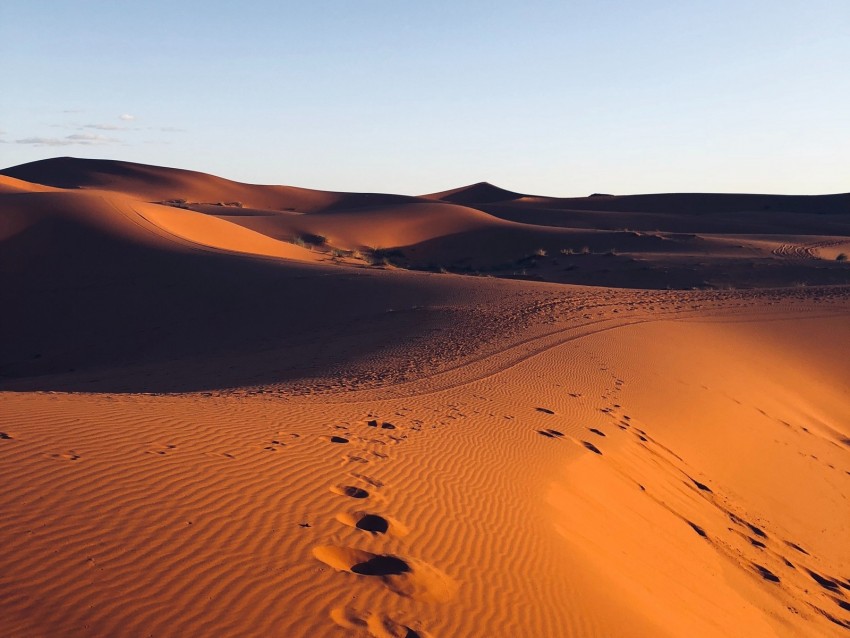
(240, 410)
(705, 241)
(480, 193)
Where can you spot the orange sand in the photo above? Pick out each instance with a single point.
(213, 424)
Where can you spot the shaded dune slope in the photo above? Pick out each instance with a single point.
(480, 193)
(97, 277)
(93, 280)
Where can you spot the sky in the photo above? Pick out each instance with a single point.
(555, 98)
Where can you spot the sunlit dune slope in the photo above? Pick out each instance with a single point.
(389, 226)
(99, 213)
(156, 183)
(651, 465)
(10, 185)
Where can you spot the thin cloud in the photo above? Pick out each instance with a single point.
(70, 140)
(86, 138)
(104, 127)
(127, 117)
(44, 141)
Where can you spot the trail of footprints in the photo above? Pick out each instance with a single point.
(834, 590)
(417, 580)
(404, 576)
(785, 574)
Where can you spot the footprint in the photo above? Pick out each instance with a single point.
(826, 583)
(591, 447)
(162, 450)
(368, 479)
(545, 410)
(66, 456)
(765, 573)
(336, 439)
(699, 530)
(551, 433)
(701, 486)
(797, 547)
(373, 423)
(350, 490)
(597, 432)
(378, 625)
(373, 523)
(405, 577)
(841, 603)
(5, 436)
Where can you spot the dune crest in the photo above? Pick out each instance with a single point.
(240, 410)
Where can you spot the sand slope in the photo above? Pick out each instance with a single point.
(554, 495)
(157, 183)
(705, 241)
(210, 428)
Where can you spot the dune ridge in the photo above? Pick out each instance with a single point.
(243, 420)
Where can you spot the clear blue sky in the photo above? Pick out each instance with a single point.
(558, 98)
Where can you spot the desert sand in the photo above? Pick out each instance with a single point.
(243, 410)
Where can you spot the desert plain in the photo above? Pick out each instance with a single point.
(239, 410)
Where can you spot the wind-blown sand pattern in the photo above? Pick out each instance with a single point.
(269, 411)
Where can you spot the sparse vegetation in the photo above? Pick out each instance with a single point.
(182, 203)
(383, 257)
(309, 240)
(175, 203)
(584, 250)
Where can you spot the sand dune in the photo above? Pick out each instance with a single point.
(643, 241)
(480, 193)
(390, 226)
(155, 183)
(253, 421)
(11, 185)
